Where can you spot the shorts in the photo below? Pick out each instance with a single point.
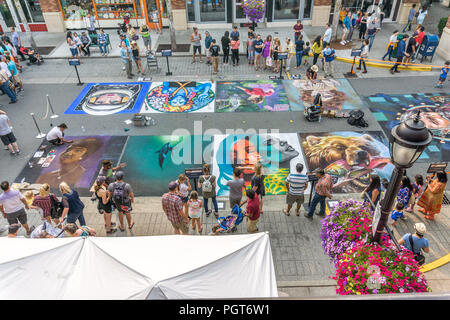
(9, 138)
(198, 49)
(16, 217)
(147, 41)
(74, 51)
(258, 53)
(252, 225)
(137, 58)
(234, 201)
(215, 61)
(182, 226)
(17, 78)
(125, 208)
(291, 199)
(442, 79)
(185, 199)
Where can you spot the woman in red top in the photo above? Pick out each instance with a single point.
(44, 202)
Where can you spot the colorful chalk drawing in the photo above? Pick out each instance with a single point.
(349, 157)
(75, 163)
(251, 96)
(102, 99)
(181, 96)
(434, 109)
(278, 154)
(337, 94)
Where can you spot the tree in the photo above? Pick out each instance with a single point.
(173, 40)
(337, 10)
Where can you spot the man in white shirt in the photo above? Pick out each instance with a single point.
(4, 66)
(327, 35)
(12, 204)
(56, 135)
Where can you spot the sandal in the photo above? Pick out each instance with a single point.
(216, 214)
(132, 225)
(297, 213)
(122, 229)
(286, 213)
(200, 230)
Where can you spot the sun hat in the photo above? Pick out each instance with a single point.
(314, 68)
(420, 228)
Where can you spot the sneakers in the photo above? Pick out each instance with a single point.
(342, 42)
(307, 216)
(208, 213)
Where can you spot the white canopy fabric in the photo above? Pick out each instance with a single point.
(160, 267)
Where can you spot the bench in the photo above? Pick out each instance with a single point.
(94, 36)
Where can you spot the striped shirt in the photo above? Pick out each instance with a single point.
(297, 183)
(45, 204)
(324, 185)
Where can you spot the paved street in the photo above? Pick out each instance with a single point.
(301, 267)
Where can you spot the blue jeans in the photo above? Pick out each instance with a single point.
(315, 201)
(363, 61)
(388, 53)
(299, 56)
(5, 88)
(72, 218)
(103, 47)
(370, 37)
(408, 26)
(214, 201)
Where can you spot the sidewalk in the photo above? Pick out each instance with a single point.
(301, 267)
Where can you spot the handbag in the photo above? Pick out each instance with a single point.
(57, 207)
(269, 61)
(419, 257)
(135, 37)
(11, 86)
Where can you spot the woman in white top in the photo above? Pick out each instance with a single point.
(184, 186)
(72, 45)
(77, 41)
(423, 12)
(364, 56)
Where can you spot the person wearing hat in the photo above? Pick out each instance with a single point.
(322, 190)
(311, 72)
(104, 203)
(108, 170)
(122, 196)
(416, 240)
(173, 208)
(13, 230)
(56, 135)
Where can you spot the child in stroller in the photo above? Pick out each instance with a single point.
(229, 223)
(33, 56)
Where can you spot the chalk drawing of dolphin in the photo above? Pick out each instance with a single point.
(165, 150)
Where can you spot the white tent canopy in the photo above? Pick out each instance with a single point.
(162, 267)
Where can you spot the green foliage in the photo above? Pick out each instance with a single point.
(441, 25)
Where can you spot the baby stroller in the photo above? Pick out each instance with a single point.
(47, 227)
(123, 25)
(33, 56)
(228, 224)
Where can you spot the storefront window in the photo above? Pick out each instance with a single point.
(6, 14)
(286, 9)
(35, 10)
(212, 10)
(191, 10)
(77, 9)
(307, 9)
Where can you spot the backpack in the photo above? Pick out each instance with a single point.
(207, 185)
(57, 207)
(419, 257)
(119, 193)
(356, 119)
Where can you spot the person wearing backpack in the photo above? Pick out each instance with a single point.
(73, 207)
(122, 196)
(48, 203)
(207, 183)
(416, 242)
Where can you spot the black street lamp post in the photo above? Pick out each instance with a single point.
(406, 143)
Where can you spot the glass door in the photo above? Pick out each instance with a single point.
(7, 16)
(238, 13)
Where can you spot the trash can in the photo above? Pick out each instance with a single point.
(428, 46)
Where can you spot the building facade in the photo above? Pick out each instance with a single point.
(60, 15)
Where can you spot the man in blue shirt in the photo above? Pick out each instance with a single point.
(412, 14)
(15, 39)
(420, 243)
(329, 54)
(401, 52)
(127, 58)
(234, 33)
(208, 41)
(299, 45)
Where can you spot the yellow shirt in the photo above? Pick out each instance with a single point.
(316, 48)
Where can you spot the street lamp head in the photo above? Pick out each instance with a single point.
(408, 140)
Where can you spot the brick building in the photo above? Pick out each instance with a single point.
(59, 15)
